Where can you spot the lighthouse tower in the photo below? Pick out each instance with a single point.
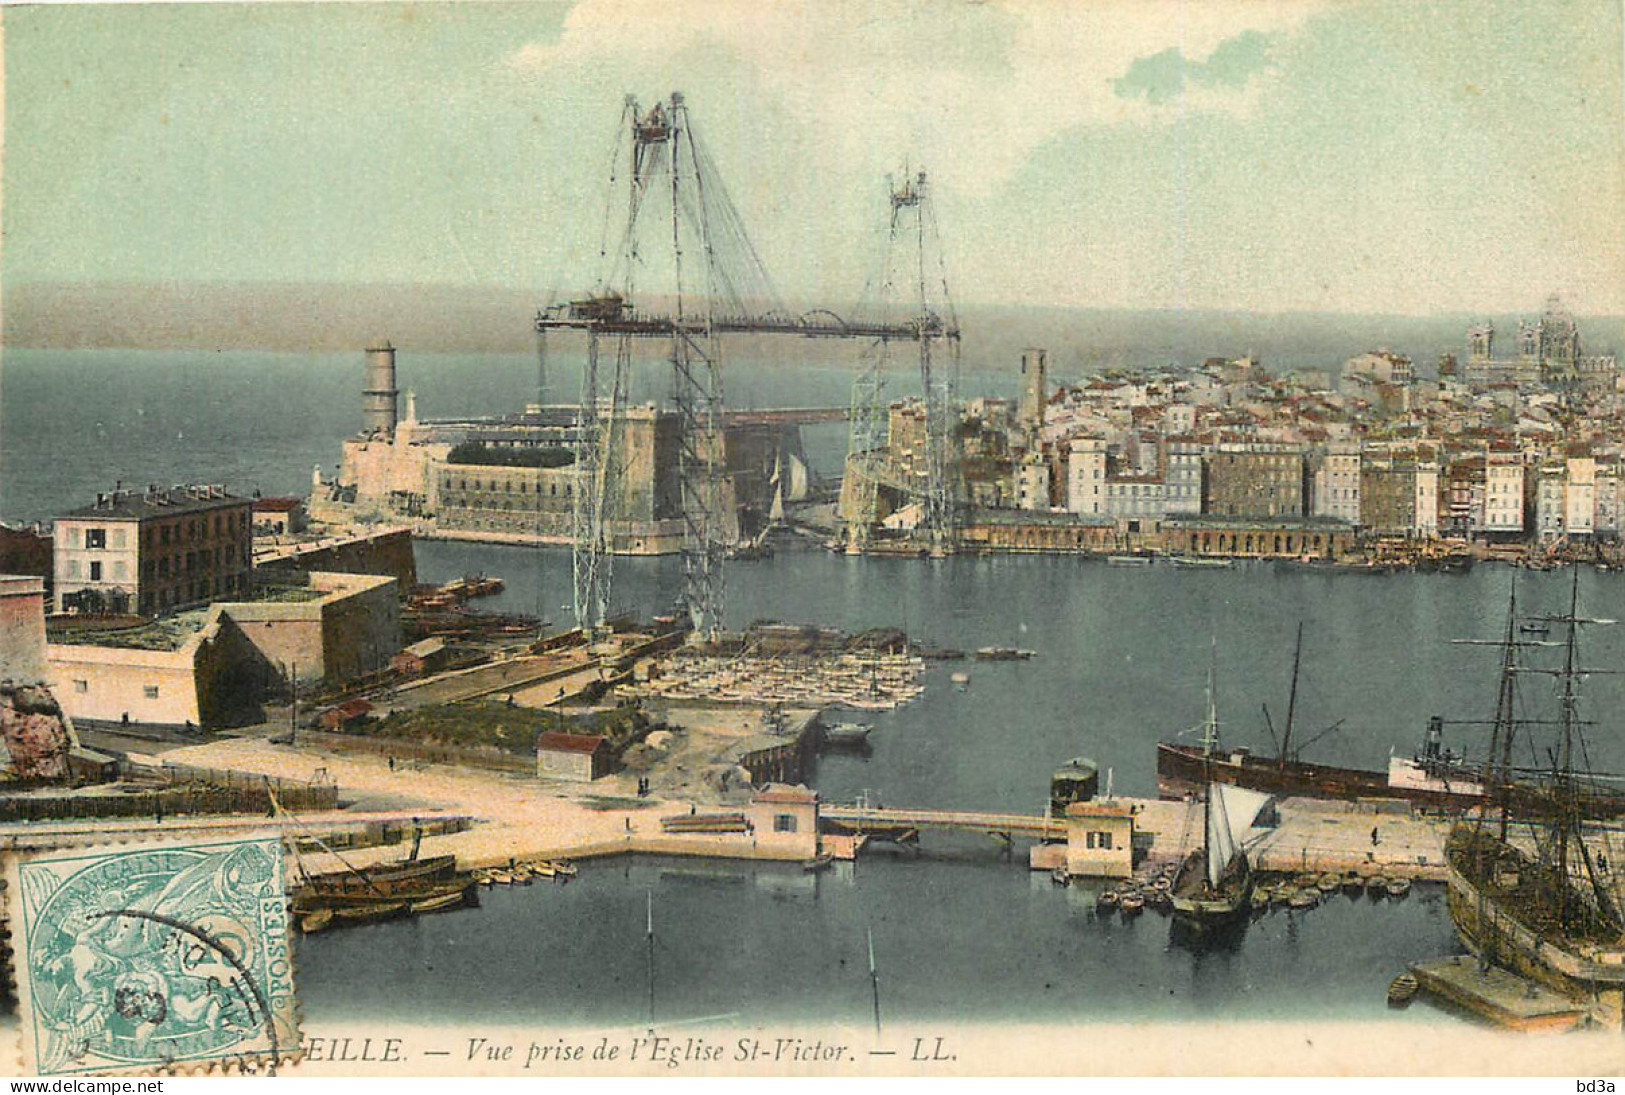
(378, 393)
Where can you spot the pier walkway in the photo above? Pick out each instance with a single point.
(862, 819)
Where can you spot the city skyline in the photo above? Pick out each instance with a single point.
(1270, 157)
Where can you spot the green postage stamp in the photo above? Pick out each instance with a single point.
(153, 956)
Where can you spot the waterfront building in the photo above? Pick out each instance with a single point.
(1259, 480)
(1033, 482)
(1100, 839)
(1463, 495)
(1399, 495)
(1136, 499)
(1183, 479)
(1086, 476)
(1427, 499)
(399, 468)
(153, 551)
(1256, 539)
(579, 758)
(1579, 496)
(214, 666)
(784, 819)
(1503, 492)
(1055, 532)
(1549, 501)
(1334, 489)
(1607, 492)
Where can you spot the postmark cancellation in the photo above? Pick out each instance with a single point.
(153, 957)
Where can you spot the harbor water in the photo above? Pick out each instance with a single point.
(1122, 658)
(1121, 661)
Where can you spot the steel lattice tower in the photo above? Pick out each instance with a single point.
(717, 285)
(911, 238)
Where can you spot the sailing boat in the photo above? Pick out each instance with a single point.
(1525, 888)
(356, 895)
(1214, 886)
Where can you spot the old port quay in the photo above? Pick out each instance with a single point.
(717, 768)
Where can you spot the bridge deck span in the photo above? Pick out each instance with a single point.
(975, 821)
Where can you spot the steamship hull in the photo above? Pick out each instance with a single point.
(1182, 770)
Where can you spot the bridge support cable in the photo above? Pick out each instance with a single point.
(659, 160)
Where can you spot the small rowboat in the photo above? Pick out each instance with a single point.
(1132, 904)
(441, 902)
(1060, 877)
(811, 866)
(1305, 898)
(315, 921)
(1376, 886)
(1353, 884)
(1402, 990)
(1106, 900)
(1398, 887)
(1329, 883)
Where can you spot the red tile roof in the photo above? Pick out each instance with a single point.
(558, 742)
(277, 505)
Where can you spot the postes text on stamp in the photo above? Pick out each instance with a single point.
(153, 956)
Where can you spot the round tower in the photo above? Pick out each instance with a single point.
(378, 394)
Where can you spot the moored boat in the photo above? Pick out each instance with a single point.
(1003, 654)
(847, 735)
(1402, 989)
(1214, 886)
(1543, 908)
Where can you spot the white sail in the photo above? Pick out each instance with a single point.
(1231, 812)
(798, 487)
(776, 513)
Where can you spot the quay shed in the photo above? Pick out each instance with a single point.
(578, 757)
(1100, 839)
(427, 656)
(785, 818)
(344, 715)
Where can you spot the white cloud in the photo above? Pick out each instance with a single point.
(978, 86)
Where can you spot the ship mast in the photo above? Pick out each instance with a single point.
(1291, 701)
(1210, 728)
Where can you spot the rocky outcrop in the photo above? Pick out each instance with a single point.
(35, 733)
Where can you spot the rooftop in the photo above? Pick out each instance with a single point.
(277, 504)
(156, 502)
(557, 741)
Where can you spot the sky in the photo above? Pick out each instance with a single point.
(1250, 155)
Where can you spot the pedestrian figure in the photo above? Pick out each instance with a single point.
(392, 768)
(1375, 840)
